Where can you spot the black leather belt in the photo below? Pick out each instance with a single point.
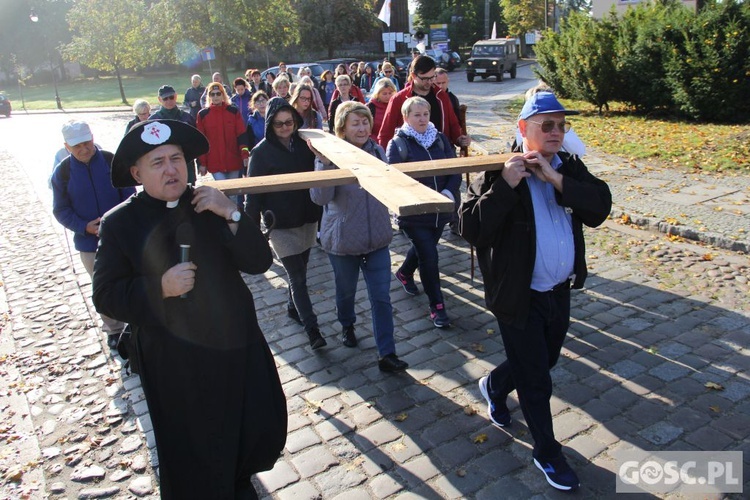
(565, 285)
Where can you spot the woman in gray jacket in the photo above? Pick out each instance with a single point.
(355, 233)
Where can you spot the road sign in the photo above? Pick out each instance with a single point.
(207, 54)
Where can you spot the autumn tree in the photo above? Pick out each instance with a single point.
(332, 24)
(108, 35)
(523, 16)
(465, 19)
(230, 25)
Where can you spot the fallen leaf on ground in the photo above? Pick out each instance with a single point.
(469, 411)
(461, 472)
(714, 386)
(714, 409)
(481, 438)
(401, 417)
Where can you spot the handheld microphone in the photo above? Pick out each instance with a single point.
(184, 238)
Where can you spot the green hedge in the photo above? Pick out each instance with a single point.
(656, 58)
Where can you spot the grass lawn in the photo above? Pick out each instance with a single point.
(704, 146)
(101, 92)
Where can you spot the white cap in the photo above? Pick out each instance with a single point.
(76, 132)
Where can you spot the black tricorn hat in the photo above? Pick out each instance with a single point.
(149, 135)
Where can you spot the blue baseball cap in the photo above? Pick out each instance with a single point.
(542, 103)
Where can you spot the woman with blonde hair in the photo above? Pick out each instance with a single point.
(355, 233)
(221, 122)
(419, 140)
(282, 86)
(388, 72)
(382, 92)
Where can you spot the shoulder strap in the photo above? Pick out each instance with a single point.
(441, 143)
(65, 170)
(401, 145)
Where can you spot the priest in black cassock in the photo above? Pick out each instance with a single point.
(213, 392)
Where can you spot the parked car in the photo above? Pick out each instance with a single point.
(316, 69)
(402, 63)
(492, 58)
(330, 64)
(5, 107)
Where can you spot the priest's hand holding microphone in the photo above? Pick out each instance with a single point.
(180, 279)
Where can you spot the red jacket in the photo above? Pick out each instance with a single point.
(393, 118)
(223, 127)
(377, 109)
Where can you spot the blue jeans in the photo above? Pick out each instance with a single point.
(234, 174)
(299, 298)
(532, 351)
(376, 268)
(424, 255)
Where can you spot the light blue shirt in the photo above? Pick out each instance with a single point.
(554, 235)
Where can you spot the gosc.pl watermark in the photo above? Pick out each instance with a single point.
(679, 471)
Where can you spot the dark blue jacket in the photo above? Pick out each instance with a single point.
(82, 193)
(243, 103)
(417, 152)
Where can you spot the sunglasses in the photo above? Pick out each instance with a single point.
(278, 124)
(549, 125)
(169, 97)
(215, 94)
(387, 72)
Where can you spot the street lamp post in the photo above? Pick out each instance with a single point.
(35, 19)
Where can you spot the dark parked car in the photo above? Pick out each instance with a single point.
(330, 64)
(5, 107)
(492, 58)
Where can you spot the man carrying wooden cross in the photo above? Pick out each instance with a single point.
(526, 221)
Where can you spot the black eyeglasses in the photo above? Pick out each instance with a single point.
(549, 125)
(278, 124)
(215, 94)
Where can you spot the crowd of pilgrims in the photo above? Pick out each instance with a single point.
(252, 131)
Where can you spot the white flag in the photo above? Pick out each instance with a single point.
(494, 31)
(385, 13)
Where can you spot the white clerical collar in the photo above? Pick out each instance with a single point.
(173, 204)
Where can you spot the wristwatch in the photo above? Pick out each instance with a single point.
(235, 217)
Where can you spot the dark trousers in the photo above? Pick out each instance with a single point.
(532, 351)
(423, 254)
(299, 298)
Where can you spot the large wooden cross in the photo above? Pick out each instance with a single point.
(393, 185)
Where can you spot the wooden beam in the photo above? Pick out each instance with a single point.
(400, 193)
(380, 179)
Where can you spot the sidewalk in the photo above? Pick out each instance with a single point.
(657, 358)
(707, 207)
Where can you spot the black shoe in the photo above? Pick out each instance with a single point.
(391, 363)
(347, 336)
(316, 339)
(112, 339)
(407, 281)
(292, 313)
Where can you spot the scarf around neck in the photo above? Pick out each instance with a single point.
(426, 139)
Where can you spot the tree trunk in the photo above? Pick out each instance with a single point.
(119, 82)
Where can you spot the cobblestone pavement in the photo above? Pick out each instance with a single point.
(657, 359)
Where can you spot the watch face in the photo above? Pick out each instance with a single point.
(236, 216)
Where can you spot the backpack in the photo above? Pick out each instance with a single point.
(403, 150)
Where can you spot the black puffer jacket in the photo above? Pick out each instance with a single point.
(290, 208)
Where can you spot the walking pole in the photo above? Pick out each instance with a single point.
(464, 152)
